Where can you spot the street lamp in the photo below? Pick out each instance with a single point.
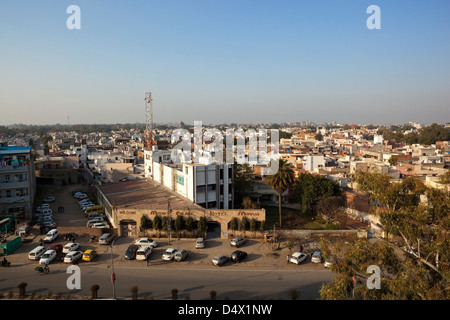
(169, 217)
(113, 275)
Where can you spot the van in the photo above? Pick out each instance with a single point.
(143, 253)
(51, 235)
(36, 253)
(99, 209)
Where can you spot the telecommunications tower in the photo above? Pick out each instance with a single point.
(149, 137)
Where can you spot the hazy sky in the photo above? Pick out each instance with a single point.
(225, 61)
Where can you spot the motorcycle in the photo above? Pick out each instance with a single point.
(5, 264)
(42, 270)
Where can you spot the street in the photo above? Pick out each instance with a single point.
(157, 282)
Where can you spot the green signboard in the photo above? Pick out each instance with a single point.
(180, 180)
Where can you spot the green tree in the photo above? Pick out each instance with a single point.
(281, 181)
(253, 226)
(243, 182)
(189, 224)
(419, 215)
(202, 225)
(244, 224)
(234, 224)
(309, 188)
(157, 223)
(179, 224)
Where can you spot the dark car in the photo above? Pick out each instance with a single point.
(238, 255)
(57, 247)
(130, 254)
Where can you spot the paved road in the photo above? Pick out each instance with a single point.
(157, 282)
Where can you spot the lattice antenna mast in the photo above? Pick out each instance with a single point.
(149, 141)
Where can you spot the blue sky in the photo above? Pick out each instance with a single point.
(225, 61)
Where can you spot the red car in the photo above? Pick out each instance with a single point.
(57, 247)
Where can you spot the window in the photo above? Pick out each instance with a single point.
(221, 174)
(8, 193)
(201, 189)
(212, 187)
(7, 177)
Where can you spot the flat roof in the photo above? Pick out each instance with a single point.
(145, 194)
(14, 150)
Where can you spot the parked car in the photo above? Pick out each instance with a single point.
(36, 253)
(238, 256)
(51, 235)
(58, 247)
(130, 254)
(84, 202)
(169, 254)
(316, 257)
(180, 255)
(143, 252)
(106, 238)
(100, 225)
(73, 256)
(76, 191)
(219, 260)
(71, 246)
(146, 242)
(93, 221)
(48, 257)
(237, 242)
(199, 243)
(49, 199)
(329, 262)
(297, 257)
(89, 255)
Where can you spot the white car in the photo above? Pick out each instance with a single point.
(51, 235)
(48, 257)
(73, 256)
(143, 252)
(297, 257)
(93, 221)
(199, 243)
(72, 246)
(146, 242)
(100, 225)
(49, 199)
(169, 254)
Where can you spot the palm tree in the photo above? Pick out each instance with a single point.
(282, 180)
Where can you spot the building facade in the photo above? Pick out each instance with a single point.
(17, 182)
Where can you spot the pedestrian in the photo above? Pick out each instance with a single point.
(287, 259)
(148, 261)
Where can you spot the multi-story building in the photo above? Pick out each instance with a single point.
(17, 181)
(208, 185)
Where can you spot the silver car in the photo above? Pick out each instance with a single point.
(316, 257)
(237, 242)
(180, 255)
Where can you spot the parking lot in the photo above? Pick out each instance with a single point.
(260, 255)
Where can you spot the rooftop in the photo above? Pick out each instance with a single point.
(14, 149)
(145, 194)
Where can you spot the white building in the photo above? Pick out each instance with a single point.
(208, 185)
(313, 162)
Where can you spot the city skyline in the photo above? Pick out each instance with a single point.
(224, 62)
